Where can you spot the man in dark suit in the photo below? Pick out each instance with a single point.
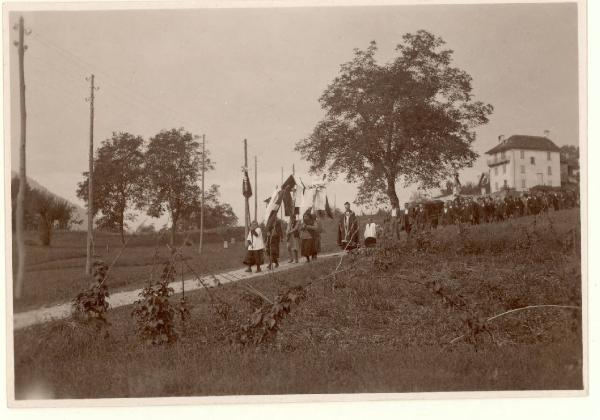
(348, 229)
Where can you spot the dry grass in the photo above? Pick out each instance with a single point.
(375, 332)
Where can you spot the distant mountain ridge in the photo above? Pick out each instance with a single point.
(79, 214)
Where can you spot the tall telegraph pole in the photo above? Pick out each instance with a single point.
(247, 204)
(202, 202)
(90, 229)
(255, 189)
(20, 228)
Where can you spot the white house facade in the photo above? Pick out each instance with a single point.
(522, 162)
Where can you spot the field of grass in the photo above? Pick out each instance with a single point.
(56, 274)
(391, 322)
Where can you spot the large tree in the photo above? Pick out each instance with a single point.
(118, 174)
(173, 167)
(411, 119)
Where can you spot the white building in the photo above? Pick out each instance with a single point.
(521, 162)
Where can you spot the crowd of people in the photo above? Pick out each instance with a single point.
(302, 235)
(483, 209)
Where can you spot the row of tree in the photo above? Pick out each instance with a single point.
(158, 177)
(44, 211)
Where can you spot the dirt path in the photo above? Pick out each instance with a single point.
(63, 310)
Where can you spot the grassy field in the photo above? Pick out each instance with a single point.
(391, 322)
(56, 274)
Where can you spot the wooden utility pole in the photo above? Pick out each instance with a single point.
(255, 189)
(90, 229)
(202, 197)
(281, 186)
(20, 228)
(247, 204)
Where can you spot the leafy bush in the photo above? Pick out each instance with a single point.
(154, 313)
(92, 303)
(265, 320)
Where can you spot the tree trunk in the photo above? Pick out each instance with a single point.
(122, 230)
(173, 231)
(45, 232)
(391, 192)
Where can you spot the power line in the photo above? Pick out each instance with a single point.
(67, 88)
(115, 91)
(111, 80)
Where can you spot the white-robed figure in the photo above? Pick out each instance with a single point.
(370, 233)
(255, 246)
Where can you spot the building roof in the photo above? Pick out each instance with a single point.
(525, 142)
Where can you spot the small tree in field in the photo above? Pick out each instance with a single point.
(173, 167)
(118, 171)
(49, 211)
(411, 119)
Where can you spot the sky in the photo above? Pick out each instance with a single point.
(258, 74)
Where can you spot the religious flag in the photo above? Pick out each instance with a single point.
(246, 187)
(276, 199)
(289, 183)
(288, 200)
(298, 196)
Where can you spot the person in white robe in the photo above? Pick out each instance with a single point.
(370, 233)
(255, 248)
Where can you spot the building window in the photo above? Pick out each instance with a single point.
(549, 158)
(549, 170)
(496, 186)
(522, 169)
(502, 155)
(496, 170)
(505, 183)
(532, 160)
(522, 183)
(522, 154)
(504, 168)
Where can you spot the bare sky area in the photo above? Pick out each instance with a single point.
(258, 74)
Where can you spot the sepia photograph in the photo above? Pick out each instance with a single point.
(294, 201)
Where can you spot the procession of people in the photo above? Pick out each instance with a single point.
(306, 205)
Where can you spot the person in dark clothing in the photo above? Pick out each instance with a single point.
(272, 244)
(307, 236)
(293, 239)
(348, 229)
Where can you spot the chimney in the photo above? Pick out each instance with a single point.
(547, 133)
(501, 138)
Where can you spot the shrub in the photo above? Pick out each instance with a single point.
(154, 313)
(92, 303)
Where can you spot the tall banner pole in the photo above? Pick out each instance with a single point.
(255, 189)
